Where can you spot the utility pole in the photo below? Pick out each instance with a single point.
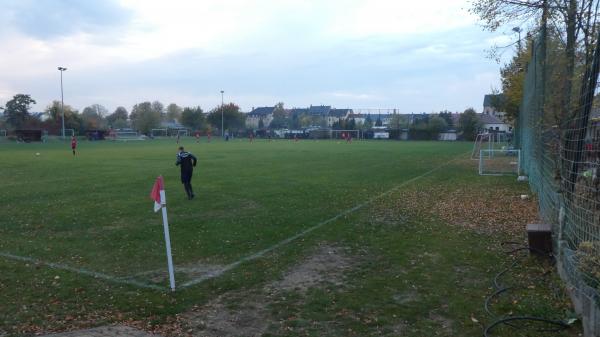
(62, 100)
(222, 123)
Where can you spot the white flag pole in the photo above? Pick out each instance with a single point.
(163, 201)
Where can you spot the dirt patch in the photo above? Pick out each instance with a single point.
(407, 297)
(237, 314)
(327, 264)
(444, 322)
(249, 317)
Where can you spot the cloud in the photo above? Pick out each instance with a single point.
(59, 18)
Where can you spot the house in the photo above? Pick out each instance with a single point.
(491, 104)
(254, 117)
(491, 123)
(337, 114)
(319, 110)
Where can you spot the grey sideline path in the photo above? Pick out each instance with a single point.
(105, 331)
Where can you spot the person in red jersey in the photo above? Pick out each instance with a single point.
(73, 144)
(197, 137)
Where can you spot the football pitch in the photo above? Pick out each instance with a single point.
(78, 235)
(92, 211)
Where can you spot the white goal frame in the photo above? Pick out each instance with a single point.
(182, 132)
(489, 141)
(499, 154)
(127, 135)
(166, 132)
(3, 133)
(69, 132)
(335, 132)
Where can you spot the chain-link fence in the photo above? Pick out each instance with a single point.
(559, 137)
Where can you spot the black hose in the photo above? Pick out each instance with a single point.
(560, 324)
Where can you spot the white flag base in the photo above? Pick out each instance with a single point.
(163, 201)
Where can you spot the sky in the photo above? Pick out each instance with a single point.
(413, 56)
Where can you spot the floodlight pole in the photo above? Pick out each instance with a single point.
(222, 123)
(62, 100)
(518, 30)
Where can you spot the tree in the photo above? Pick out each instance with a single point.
(368, 123)
(232, 117)
(17, 110)
(447, 116)
(174, 112)
(280, 118)
(54, 111)
(469, 124)
(437, 125)
(193, 118)
(159, 108)
(118, 119)
(92, 117)
(145, 117)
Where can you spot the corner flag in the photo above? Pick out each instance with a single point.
(160, 202)
(155, 194)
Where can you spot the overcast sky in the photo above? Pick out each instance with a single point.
(416, 56)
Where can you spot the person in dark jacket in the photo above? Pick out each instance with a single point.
(187, 161)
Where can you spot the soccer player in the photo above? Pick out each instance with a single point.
(73, 144)
(187, 161)
(251, 136)
(197, 137)
(208, 136)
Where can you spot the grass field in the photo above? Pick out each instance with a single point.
(396, 265)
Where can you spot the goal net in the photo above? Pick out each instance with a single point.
(490, 141)
(499, 162)
(158, 132)
(344, 134)
(181, 132)
(127, 135)
(69, 132)
(2, 133)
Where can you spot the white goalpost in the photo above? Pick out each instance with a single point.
(127, 135)
(2, 133)
(158, 132)
(182, 132)
(69, 132)
(490, 141)
(497, 162)
(338, 134)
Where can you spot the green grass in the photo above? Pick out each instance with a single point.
(93, 211)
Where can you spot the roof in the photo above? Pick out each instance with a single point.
(262, 111)
(298, 111)
(339, 112)
(493, 100)
(489, 119)
(319, 110)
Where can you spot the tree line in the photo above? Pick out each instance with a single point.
(143, 117)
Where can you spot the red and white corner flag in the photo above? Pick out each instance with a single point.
(155, 194)
(160, 202)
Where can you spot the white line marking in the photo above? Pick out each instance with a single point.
(308, 230)
(81, 271)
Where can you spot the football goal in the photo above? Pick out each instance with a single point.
(182, 132)
(158, 132)
(490, 141)
(127, 135)
(344, 134)
(2, 133)
(499, 162)
(69, 132)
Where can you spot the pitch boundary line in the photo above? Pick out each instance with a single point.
(261, 253)
(81, 271)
